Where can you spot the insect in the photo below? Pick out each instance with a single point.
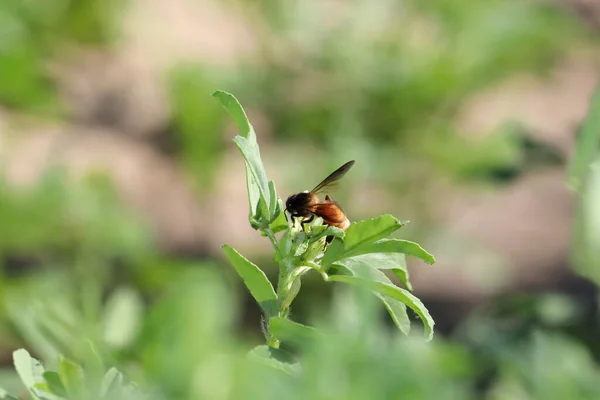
(306, 205)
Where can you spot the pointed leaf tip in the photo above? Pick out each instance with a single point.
(393, 292)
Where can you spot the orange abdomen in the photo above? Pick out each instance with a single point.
(332, 214)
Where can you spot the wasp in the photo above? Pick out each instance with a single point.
(307, 205)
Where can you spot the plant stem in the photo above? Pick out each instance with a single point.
(272, 238)
(272, 341)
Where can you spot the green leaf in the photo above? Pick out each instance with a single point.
(255, 173)
(288, 330)
(370, 230)
(255, 280)
(333, 252)
(279, 224)
(393, 246)
(25, 318)
(588, 144)
(396, 293)
(396, 262)
(256, 177)
(275, 358)
(359, 235)
(111, 382)
(362, 268)
(122, 317)
(71, 375)
(377, 260)
(45, 393)
(404, 277)
(275, 205)
(29, 370)
(319, 232)
(94, 364)
(5, 396)
(397, 311)
(54, 383)
(585, 250)
(233, 106)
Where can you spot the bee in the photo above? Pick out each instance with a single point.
(306, 205)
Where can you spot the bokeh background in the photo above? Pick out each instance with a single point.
(120, 182)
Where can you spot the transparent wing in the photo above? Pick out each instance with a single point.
(333, 177)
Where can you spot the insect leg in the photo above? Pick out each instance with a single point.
(307, 221)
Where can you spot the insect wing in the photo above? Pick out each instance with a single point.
(333, 177)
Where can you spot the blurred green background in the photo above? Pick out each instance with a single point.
(120, 183)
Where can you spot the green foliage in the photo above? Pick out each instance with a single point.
(588, 144)
(196, 119)
(551, 367)
(91, 22)
(298, 251)
(69, 382)
(286, 329)
(584, 178)
(255, 280)
(122, 317)
(386, 78)
(31, 35)
(396, 75)
(264, 206)
(87, 213)
(25, 84)
(350, 356)
(74, 231)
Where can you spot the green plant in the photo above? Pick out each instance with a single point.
(196, 120)
(69, 381)
(183, 344)
(34, 33)
(584, 179)
(396, 77)
(355, 257)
